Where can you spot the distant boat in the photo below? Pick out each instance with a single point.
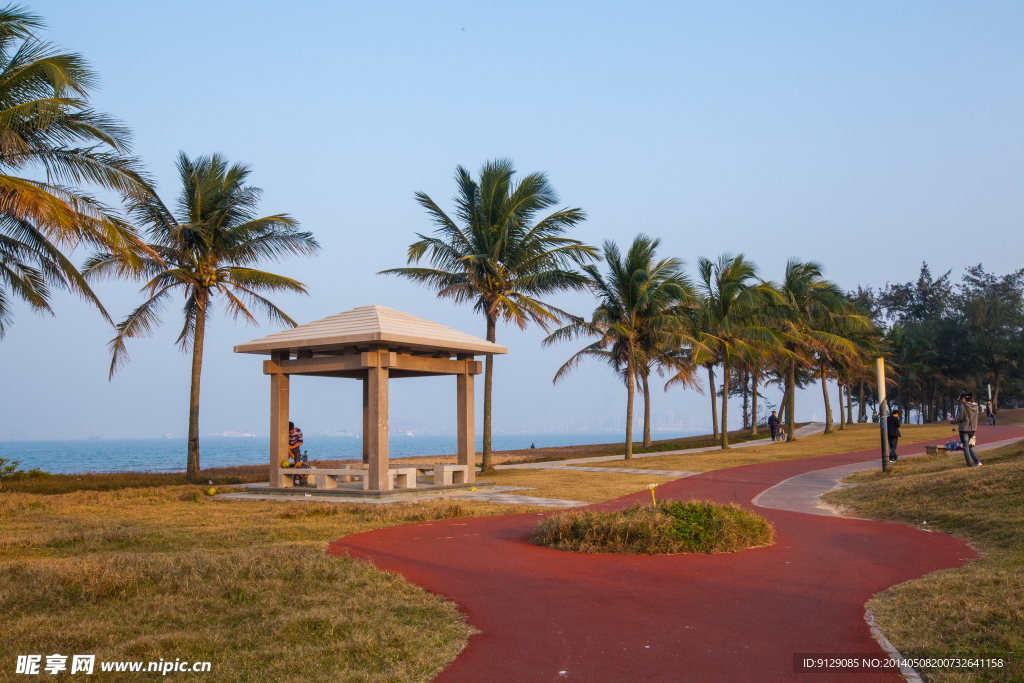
(234, 433)
(330, 432)
(408, 433)
(168, 435)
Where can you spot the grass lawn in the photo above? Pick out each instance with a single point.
(150, 573)
(979, 609)
(854, 438)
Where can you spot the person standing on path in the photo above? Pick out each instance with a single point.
(966, 420)
(991, 414)
(773, 425)
(892, 426)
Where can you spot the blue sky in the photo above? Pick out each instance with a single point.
(867, 136)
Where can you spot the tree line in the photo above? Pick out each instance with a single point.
(727, 323)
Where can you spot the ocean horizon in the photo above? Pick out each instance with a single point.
(77, 456)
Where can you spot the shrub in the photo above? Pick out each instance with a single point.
(671, 527)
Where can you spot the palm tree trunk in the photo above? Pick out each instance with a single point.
(485, 465)
(828, 404)
(862, 410)
(753, 402)
(192, 464)
(714, 401)
(842, 418)
(791, 391)
(747, 398)
(630, 387)
(849, 404)
(725, 400)
(784, 405)
(647, 413)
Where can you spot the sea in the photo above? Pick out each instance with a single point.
(168, 454)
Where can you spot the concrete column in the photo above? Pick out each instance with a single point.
(278, 422)
(366, 420)
(376, 437)
(466, 412)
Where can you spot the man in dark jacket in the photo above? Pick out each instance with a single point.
(773, 425)
(892, 427)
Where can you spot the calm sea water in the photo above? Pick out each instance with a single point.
(168, 455)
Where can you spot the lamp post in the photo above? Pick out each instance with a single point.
(883, 411)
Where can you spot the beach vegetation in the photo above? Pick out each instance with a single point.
(635, 319)
(734, 320)
(498, 254)
(54, 148)
(208, 251)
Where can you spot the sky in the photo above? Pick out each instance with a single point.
(868, 136)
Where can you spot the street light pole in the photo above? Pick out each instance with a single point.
(883, 411)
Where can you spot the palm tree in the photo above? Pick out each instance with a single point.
(498, 256)
(816, 316)
(732, 323)
(48, 128)
(636, 307)
(208, 252)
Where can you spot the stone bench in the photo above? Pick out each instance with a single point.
(324, 478)
(935, 450)
(444, 475)
(402, 476)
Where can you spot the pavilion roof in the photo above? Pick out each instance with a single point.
(367, 325)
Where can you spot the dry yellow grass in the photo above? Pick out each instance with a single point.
(979, 609)
(588, 487)
(853, 438)
(150, 573)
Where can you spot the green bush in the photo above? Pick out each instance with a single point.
(670, 527)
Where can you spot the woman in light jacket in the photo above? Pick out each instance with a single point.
(966, 420)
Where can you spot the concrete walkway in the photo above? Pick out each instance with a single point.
(803, 492)
(807, 430)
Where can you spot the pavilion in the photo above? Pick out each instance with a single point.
(372, 344)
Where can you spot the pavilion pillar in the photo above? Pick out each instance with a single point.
(466, 412)
(376, 436)
(366, 420)
(278, 422)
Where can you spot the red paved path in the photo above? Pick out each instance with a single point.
(737, 617)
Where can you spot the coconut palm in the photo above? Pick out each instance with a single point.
(48, 128)
(817, 319)
(734, 320)
(208, 252)
(498, 256)
(637, 307)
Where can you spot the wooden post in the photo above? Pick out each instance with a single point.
(376, 437)
(366, 420)
(883, 411)
(278, 422)
(466, 412)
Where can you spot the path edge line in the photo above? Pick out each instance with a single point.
(906, 671)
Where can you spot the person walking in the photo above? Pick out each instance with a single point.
(773, 425)
(892, 427)
(966, 421)
(991, 414)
